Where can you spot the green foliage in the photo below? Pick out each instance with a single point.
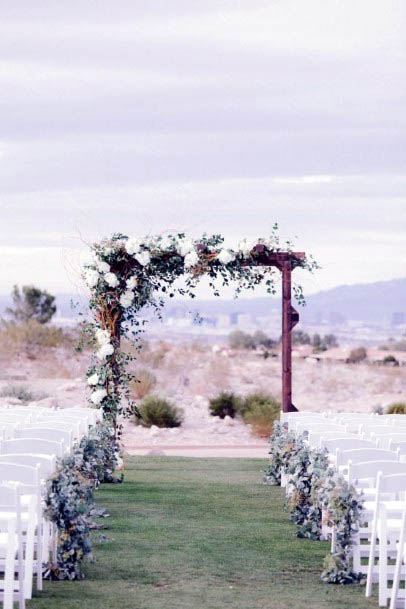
(314, 489)
(69, 498)
(241, 340)
(397, 408)
(260, 410)
(319, 343)
(357, 355)
(390, 360)
(300, 338)
(158, 411)
(31, 303)
(225, 404)
(343, 507)
(21, 392)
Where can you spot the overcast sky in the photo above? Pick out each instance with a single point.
(199, 116)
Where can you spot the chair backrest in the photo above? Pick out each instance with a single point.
(46, 463)
(316, 436)
(77, 427)
(47, 433)
(391, 483)
(384, 440)
(398, 445)
(9, 500)
(359, 455)
(346, 443)
(38, 446)
(369, 428)
(15, 472)
(370, 469)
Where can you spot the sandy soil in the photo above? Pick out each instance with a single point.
(190, 374)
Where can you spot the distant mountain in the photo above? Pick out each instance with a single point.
(380, 302)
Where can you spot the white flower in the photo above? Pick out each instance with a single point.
(91, 277)
(93, 379)
(102, 336)
(105, 351)
(126, 299)
(111, 280)
(143, 258)
(98, 396)
(226, 256)
(166, 243)
(185, 246)
(133, 246)
(131, 283)
(246, 247)
(102, 266)
(191, 259)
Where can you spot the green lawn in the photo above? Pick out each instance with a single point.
(199, 534)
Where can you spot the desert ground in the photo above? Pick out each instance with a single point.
(189, 374)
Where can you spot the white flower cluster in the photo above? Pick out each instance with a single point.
(105, 347)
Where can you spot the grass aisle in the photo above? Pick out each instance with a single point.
(201, 534)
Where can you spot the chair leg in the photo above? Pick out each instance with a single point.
(396, 580)
(371, 562)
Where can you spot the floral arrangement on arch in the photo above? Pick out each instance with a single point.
(126, 274)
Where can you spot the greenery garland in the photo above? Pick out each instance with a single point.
(69, 498)
(315, 492)
(127, 274)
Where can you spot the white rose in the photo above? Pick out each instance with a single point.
(98, 396)
(102, 266)
(111, 280)
(131, 283)
(93, 380)
(105, 351)
(143, 258)
(191, 259)
(102, 336)
(91, 277)
(185, 246)
(166, 243)
(126, 299)
(246, 247)
(226, 256)
(133, 246)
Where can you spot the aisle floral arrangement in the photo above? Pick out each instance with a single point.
(69, 498)
(318, 498)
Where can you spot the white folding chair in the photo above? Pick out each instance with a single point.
(11, 548)
(385, 528)
(48, 433)
(32, 445)
(400, 561)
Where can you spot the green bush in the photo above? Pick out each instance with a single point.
(225, 404)
(159, 412)
(260, 410)
(397, 408)
(390, 360)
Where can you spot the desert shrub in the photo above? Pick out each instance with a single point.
(390, 360)
(225, 404)
(241, 340)
(31, 337)
(357, 355)
(260, 410)
(21, 392)
(158, 411)
(397, 408)
(142, 383)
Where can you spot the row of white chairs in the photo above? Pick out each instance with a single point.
(370, 451)
(31, 441)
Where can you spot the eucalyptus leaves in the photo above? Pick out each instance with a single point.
(316, 496)
(69, 498)
(126, 274)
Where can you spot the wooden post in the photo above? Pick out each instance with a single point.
(290, 317)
